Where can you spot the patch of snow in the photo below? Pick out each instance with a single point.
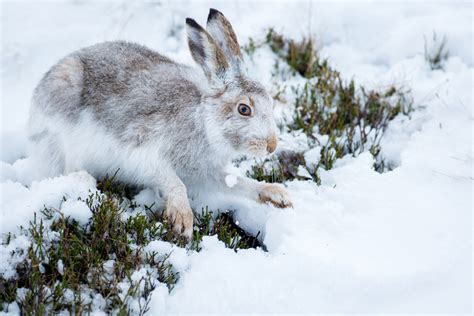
(312, 156)
(230, 180)
(176, 256)
(303, 172)
(68, 295)
(76, 209)
(60, 267)
(18, 203)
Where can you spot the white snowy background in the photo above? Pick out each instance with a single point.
(362, 241)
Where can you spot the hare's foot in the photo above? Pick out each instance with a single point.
(275, 194)
(179, 214)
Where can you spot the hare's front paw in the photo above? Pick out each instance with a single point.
(180, 215)
(276, 194)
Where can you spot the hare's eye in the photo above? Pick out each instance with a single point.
(244, 109)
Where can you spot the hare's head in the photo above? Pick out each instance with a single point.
(239, 111)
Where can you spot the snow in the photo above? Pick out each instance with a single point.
(230, 180)
(7, 269)
(177, 256)
(303, 172)
(19, 202)
(312, 156)
(362, 241)
(60, 267)
(76, 209)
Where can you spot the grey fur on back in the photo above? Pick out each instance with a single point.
(136, 93)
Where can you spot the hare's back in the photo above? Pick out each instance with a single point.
(92, 75)
(112, 68)
(110, 59)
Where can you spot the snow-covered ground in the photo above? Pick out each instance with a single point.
(363, 242)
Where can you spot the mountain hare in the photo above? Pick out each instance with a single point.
(118, 105)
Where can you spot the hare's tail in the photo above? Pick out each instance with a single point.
(46, 155)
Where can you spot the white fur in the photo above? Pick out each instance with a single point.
(65, 141)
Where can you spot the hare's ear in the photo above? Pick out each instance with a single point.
(221, 30)
(206, 52)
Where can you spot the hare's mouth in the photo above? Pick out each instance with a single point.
(258, 147)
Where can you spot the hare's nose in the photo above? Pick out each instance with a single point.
(272, 144)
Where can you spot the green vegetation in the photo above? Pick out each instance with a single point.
(69, 266)
(65, 258)
(300, 56)
(337, 116)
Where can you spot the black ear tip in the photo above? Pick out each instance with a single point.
(192, 22)
(213, 13)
